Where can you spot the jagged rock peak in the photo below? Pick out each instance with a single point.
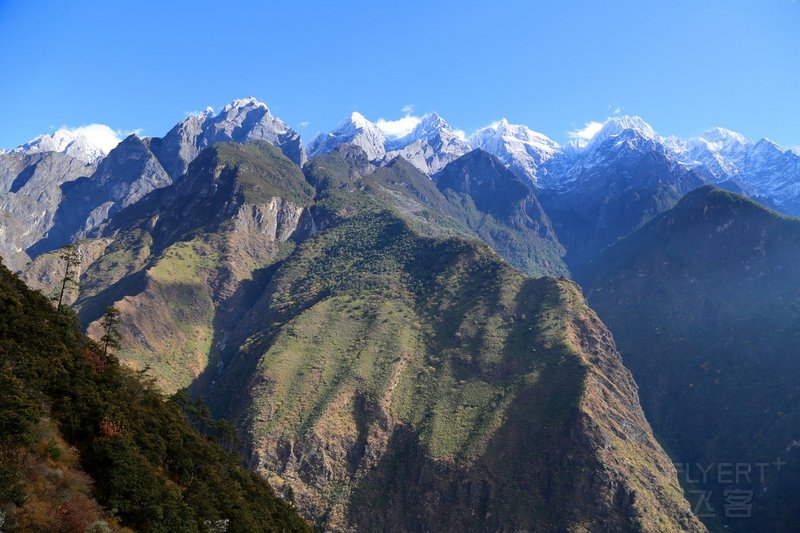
(242, 120)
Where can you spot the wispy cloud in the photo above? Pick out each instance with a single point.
(583, 135)
(208, 110)
(304, 124)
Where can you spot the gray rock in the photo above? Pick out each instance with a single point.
(240, 121)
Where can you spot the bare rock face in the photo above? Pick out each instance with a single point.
(126, 175)
(31, 189)
(46, 271)
(240, 121)
(257, 229)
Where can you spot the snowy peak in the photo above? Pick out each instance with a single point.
(631, 126)
(244, 120)
(761, 169)
(521, 133)
(724, 136)
(431, 145)
(521, 149)
(242, 103)
(357, 121)
(86, 143)
(355, 130)
(429, 126)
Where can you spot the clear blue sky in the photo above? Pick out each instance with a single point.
(684, 66)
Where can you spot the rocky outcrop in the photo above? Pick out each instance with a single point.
(127, 174)
(47, 270)
(31, 189)
(240, 121)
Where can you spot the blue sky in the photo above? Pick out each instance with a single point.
(684, 66)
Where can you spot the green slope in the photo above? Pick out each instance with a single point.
(400, 382)
(704, 303)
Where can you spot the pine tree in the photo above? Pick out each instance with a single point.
(71, 257)
(111, 336)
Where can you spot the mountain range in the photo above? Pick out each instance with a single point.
(391, 326)
(762, 170)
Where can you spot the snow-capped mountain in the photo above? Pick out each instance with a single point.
(355, 130)
(521, 149)
(602, 190)
(430, 146)
(240, 121)
(614, 126)
(88, 144)
(762, 169)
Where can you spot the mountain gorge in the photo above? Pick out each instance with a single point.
(389, 323)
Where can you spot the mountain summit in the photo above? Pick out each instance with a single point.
(521, 149)
(355, 130)
(240, 121)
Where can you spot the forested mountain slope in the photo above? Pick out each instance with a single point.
(85, 442)
(703, 303)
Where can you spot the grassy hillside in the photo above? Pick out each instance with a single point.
(704, 303)
(83, 440)
(402, 382)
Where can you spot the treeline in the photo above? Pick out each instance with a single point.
(151, 470)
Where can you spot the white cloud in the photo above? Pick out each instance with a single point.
(304, 124)
(98, 135)
(584, 135)
(402, 126)
(399, 127)
(208, 111)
